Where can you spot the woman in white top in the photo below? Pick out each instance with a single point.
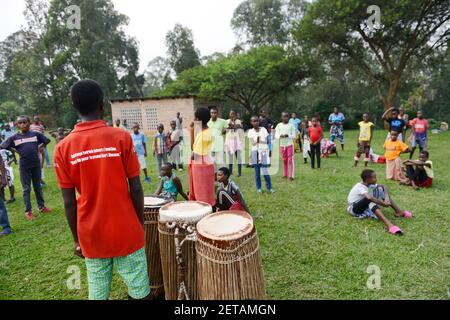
(258, 138)
(233, 142)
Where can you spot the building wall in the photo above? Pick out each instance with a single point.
(150, 112)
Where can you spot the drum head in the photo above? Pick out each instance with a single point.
(154, 201)
(188, 211)
(226, 225)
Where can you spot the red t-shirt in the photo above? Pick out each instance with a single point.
(97, 160)
(315, 134)
(419, 125)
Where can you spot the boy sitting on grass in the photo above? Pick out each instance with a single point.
(228, 195)
(170, 185)
(367, 197)
(422, 175)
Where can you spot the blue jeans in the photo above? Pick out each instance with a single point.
(29, 177)
(258, 166)
(47, 158)
(4, 220)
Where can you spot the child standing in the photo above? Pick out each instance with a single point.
(419, 133)
(286, 133)
(233, 142)
(228, 196)
(175, 138)
(305, 137)
(364, 139)
(366, 198)
(100, 164)
(8, 159)
(140, 145)
(27, 144)
(394, 148)
(170, 185)
(258, 137)
(160, 148)
(315, 136)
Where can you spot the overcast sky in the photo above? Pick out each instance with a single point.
(151, 19)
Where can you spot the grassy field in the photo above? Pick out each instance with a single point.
(311, 248)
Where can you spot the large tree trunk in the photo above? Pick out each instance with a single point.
(394, 84)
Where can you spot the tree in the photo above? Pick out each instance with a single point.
(9, 110)
(157, 75)
(266, 22)
(409, 29)
(181, 52)
(251, 80)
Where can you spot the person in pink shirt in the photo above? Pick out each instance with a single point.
(419, 127)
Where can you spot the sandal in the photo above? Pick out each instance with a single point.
(395, 231)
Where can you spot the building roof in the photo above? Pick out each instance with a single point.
(151, 98)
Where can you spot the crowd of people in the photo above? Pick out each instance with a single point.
(96, 159)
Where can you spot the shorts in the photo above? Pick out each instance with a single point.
(132, 269)
(363, 147)
(419, 140)
(142, 162)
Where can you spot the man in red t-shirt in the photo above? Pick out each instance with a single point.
(315, 137)
(419, 127)
(100, 163)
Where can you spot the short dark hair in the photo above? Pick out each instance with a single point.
(213, 108)
(225, 171)
(87, 96)
(24, 117)
(425, 153)
(366, 174)
(203, 115)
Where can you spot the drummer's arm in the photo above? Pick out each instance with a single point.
(179, 186)
(137, 196)
(160, 187)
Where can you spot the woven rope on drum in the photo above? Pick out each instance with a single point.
(190, 235)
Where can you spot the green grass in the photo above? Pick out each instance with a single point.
(311, 248)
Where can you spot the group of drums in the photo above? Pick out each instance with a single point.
(195, 254)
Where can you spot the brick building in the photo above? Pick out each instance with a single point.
(149, 112)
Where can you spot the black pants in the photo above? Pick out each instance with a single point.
(362, 205)
(315, 153)
(416, 175)
(30, 176)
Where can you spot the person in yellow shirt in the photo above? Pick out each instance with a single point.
(201, 166)
(394, 148)
(364, 139)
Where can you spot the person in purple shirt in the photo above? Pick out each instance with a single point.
(27, 144)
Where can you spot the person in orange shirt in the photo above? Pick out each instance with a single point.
(100, 164)
(394, 148)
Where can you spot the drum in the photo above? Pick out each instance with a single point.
(176, 229)
(228, 258)
(152, 205)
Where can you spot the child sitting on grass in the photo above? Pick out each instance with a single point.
(170, 185)
(394, 148)
(328, 148)
(228, 196)
(422, 175)
(367, 197)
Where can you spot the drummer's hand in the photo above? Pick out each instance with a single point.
(77, 250)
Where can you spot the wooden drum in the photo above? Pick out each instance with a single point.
(152, 205)
(228, 258)
(176, 228)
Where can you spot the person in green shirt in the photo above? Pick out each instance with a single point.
(218, 127)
